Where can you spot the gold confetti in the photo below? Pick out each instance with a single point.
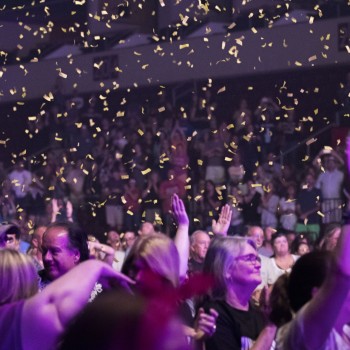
(144, 172)
(183, 46)
(222, 90)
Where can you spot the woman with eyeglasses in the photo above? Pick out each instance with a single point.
(235, 266)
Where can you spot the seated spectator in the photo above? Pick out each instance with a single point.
(282, 261)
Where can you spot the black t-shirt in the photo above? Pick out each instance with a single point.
(235, 329)
(195, 266)
(308, 199)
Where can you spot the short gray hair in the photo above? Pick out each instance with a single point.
(195, 234)
(220, 257)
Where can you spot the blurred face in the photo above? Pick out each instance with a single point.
(310, 181)
(39, 232)
(146, 229)
(129, 239)
(11, 241)
(246, 268)
(148, 282)
(331, 242)
(113, 238)
(280, 246)
(257, 235)
(58, 256)
(200, 246)
(330, 163)
(291, 191)
(303, 249)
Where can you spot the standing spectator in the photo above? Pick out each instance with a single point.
(166, 189)
(330, 183)
(150, 197)
(21, 179)
(242, 116)
(132, 206)
(308, 204)
(236, 170)
(269, 206)
(75, 180)
(114, 205)
(214, 153)
(209, 204)
(235, 201)
(250, 205)
(287, 209)
(265, 121)
(179, 162)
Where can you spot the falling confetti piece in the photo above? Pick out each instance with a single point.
(144, 172)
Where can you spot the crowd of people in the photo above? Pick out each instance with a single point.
(166, 231)
(198, 291)
(115, 173)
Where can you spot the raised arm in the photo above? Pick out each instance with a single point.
(221, 226)
(181, 238)
(329, 300)
(45, 315)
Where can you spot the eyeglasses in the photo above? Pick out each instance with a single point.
(251, 258)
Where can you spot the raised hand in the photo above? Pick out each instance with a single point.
(179, 211)
(221, 226)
